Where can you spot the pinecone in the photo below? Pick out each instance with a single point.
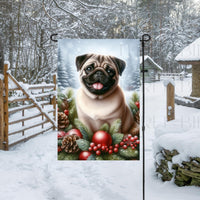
(69, 144)
(64, 105)
(137, 117)
(63, 121)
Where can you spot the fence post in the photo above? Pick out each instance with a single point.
(6, 107)
(54, 99)
(1, 115)
(170, 102)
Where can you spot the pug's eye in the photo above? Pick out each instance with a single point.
(110, 71)
(89, 68)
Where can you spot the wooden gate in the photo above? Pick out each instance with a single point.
(25, 110)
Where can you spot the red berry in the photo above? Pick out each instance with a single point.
(110, 151)
(92, 144)
(59, 149)
(75, 132)
(131, 144)
(103, 148)
(137, 141)
(129, 136)
(84, 155)
(117, 145)
(99, 146)
(128, 144)
(126, 139)
(102, 137)
(98, 153)
(132, 139)
(107, 149)
(115, 150)
(124, 147)
(66, 112)
(133, 148)
(110, 147)
(121, 143)
(95, 148)
(136, 137)
(137, 103)
(90, 149)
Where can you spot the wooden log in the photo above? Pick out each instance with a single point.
(1, 115)
(6, 107)
(170, 102)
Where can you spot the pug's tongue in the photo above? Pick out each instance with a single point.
(97, 86)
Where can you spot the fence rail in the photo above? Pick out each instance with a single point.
(40, 97)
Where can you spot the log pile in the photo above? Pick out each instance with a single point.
(186, 173)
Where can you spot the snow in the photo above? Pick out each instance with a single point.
(167, 81)
(149, 58)
(1, 76)
(6, 62)
(190, 53)
(31, 170)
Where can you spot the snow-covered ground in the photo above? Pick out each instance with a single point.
(31, 170)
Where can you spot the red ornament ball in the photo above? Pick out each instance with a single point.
(102, 137)
(75, 132)
(61, 134)
(84, 155)
(115, 150)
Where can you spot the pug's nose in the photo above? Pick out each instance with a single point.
(99, 73)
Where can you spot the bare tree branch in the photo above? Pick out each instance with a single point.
(47, 12)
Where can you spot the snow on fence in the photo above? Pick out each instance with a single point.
(171, 75)
(25, 110)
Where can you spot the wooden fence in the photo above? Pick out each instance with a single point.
(38, 100)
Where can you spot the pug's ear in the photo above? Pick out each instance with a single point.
(80, 60)
(120, 64)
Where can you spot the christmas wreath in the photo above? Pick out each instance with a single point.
(77, 142)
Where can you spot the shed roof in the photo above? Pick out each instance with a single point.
(190, 53)
(146, 57)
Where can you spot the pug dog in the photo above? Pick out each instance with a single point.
(100, 99)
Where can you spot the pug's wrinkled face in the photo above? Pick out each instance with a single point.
(99, 74)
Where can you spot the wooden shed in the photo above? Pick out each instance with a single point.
(190, 55)
(153, 69)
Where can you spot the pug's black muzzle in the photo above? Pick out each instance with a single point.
(98, 77)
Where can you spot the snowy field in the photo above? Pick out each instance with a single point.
(31, 170)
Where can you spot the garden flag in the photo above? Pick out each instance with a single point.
(98, 99)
